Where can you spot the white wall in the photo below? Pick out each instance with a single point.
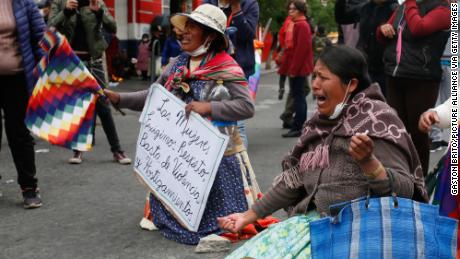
(121, 17)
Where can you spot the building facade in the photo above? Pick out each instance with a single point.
(133, 17)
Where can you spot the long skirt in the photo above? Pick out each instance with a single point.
(226, 197)
(287, 239)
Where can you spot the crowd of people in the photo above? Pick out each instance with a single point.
(368, 134)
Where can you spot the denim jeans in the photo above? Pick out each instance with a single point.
(242, 130)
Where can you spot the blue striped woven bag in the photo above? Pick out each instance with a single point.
(385, 227)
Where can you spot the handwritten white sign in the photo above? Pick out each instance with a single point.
(177, 157)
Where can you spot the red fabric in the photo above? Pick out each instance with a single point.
(300, 57)
(110, 52)
(282, 33)
(251, 230)
(281, 62)
(289, 37)
(436, 20)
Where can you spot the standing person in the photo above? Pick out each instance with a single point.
(157, 40)
(244, 16)
(449, 204)
(283, 64)
(372, 15)
(82, 23)
(204, 66)
(436, 133)
(21, 29)
(346, 13)
(143, 55)
(299, 53)
(171, 48)
(415, 37)
(111, 51)
(280, 58)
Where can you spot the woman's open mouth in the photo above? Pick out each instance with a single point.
(320, 99)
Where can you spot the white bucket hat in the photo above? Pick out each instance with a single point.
(206, 14)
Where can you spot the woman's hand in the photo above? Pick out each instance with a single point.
(361, 147)
(237, 221)
(202, 108)
(114, 97)
(387, 30)
(427, 119)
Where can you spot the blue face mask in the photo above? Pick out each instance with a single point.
(339, 107)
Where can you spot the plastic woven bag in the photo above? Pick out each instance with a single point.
(386, 227)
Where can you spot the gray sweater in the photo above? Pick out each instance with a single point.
(240, 107)
(342, 181)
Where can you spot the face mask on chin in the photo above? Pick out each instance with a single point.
(202, 49)
(339, 107)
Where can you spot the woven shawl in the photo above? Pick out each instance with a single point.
(220, 66)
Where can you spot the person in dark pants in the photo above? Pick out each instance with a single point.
(415, 37)
(299, 51)
(372, 15)
(21, 28)
(82, 22)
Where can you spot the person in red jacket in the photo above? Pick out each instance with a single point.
(415, 38)
(280, 60)
(299, 52)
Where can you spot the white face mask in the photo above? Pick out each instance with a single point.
(202, 49)
(339, 107)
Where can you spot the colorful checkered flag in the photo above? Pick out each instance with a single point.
(62, 105)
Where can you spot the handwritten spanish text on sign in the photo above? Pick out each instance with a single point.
(177, 157)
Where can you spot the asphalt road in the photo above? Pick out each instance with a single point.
(92, 210)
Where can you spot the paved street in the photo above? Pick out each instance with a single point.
(92, 210)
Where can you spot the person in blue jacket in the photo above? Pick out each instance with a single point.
(172, 48)
(21, 29)
(242, 15)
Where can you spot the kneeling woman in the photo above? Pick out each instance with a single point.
(350, 146)
(213, 85)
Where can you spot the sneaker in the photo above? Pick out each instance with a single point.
(120, 157)
(32, 198)
(77, 157)
(438, 145)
